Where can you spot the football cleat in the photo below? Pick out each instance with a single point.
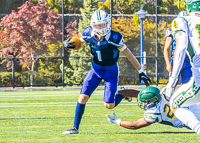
(129, 99)
(73, 130)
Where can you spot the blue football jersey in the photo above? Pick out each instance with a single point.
(169, 34)
(105, 52)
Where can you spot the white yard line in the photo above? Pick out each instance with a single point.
(94, 94)
(58, 105)
(55, 103)
(94, 103)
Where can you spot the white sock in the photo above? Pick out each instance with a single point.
(189, 119)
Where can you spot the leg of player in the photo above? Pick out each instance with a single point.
(80, 108)
(129, 93)
(90, 83)
(188, 118)
(186, 74)
(121, 95)
(129, 99)
(188, 94)
(111, 99)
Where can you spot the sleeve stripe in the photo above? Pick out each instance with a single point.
(82, 40)
(114, 44)
(122, 48)
(177, 32)
(153, 113)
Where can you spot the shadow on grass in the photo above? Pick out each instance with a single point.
(37, 117)
(159, 133)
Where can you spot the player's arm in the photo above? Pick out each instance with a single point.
(134, 125)
(82, 40)
(128, 124)
(181, 47)
(168, 43)
(180, 29)
(69, 43)
(129, 93)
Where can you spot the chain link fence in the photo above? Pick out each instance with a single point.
(45, 67)
(47, 71)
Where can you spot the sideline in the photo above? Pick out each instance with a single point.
(138, 87)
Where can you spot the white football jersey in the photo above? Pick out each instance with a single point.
(189, 25)
(161, 113)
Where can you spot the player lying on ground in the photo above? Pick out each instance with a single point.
(157, 109)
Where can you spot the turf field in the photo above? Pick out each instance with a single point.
(42, 116)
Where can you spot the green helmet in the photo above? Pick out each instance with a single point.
(192, 6)
(149, 97)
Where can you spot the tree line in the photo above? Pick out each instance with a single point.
(35, 30)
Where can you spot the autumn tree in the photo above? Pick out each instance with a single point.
(27, 33)
(78, 67)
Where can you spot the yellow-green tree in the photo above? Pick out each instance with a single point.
(79, 66)
(130, 30)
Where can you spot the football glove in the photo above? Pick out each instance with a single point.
(170, 86)
(68, 44)
(143, 77)
(113, 119)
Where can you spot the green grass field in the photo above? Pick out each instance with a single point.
(42, 116)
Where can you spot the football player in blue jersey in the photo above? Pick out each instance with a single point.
(186, 72)
(105, 46)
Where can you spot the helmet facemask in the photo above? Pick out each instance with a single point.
(148, 97)
(100, 22)
(148, 103)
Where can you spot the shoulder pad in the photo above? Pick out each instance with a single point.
(168, 32)
(179, 24)
(150, 118)
(116, 38)
(87, 31)
(152, 115)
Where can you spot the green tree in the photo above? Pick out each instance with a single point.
(164, 6)
(78, 68)
(122, 6)
(130, 30)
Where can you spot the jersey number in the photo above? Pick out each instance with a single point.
(99, 55)
(198, 29)
(169, 113)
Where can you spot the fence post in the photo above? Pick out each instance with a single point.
(156, 71)
(63, 49)
(13, 72)
(156, 45)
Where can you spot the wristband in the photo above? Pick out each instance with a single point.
(118, 121)
(141, 70)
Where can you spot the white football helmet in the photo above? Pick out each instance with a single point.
(100, 22)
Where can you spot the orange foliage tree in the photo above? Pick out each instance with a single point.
(28, 32)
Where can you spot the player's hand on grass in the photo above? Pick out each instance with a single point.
(113, 119)
(68, 44)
